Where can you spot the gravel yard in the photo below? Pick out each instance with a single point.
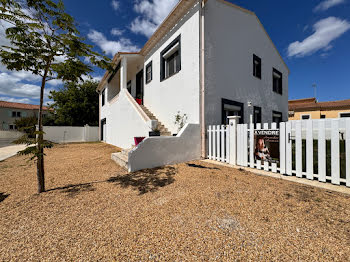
(95, 211)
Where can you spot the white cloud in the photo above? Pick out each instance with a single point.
(115, 4)
(326, 4)
(15, 100)
(11, 85)
(92, 78)
(151, 15)
(117, 32)
(111, 47)
(325, 31)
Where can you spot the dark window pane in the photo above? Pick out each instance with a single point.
(277, 81)
(344, 114)
(256, 66)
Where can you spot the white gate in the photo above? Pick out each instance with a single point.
(312, 149)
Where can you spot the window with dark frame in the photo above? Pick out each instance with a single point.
(257, 66)
(277, 81)
(305, 117)
(231, 108)
(257, 115)
(16, 114)
(103, 97)
(149, 72)
(277, 117)
(170, 59)
(323, 116)
(344, 115)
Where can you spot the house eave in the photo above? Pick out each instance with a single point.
(116, 59)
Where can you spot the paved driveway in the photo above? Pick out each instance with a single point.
(8, 151)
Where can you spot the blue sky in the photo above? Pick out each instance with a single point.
(312, 36)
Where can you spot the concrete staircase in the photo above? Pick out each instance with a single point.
(163, 130)
(121, 158)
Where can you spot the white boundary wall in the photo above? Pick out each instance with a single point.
(69, 134)
(165, 150)
(4, 134)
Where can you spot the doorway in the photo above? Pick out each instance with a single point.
(103, 130)
(139, 86)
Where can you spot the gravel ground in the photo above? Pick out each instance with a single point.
(95, 211)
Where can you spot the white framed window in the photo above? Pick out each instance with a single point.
(305, 117)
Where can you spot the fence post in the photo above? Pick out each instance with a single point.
(86, 133)
(233, 121)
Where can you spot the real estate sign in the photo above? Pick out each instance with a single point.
(267, 145)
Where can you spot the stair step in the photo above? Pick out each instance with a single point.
(121, 159)
(163, 130)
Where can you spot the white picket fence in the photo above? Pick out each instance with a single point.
(328, 139)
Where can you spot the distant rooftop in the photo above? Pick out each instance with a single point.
(5, 104)
(312, 104)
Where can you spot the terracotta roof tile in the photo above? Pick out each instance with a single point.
(312, 104)
(6, 104)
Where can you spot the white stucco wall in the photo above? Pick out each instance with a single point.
(123, 121)
(231, 38)
(69, 134)
(159, 151)
(5, 134)
(181, 91)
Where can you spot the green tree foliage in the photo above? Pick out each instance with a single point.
(27, 125)
(45, 41)
(75, 105)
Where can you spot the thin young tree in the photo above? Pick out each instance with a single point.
(46, 42)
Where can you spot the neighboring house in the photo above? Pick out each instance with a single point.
(10, 111)
(209, 60)
(309, 108)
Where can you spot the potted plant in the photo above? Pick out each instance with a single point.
(180, 121)
(138, 140)
(155, 132)
(139, 99)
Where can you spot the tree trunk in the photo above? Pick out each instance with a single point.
(40, 158)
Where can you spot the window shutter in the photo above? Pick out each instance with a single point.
(24, 114)
(10, 113)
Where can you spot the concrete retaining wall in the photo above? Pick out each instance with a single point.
(10, 134)
(160, 151)
(69, 134)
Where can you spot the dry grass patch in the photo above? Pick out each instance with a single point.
(95, 211)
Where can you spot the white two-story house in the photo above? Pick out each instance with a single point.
(209, 59)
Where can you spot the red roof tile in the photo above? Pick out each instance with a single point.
(6, 104)
(312, 104)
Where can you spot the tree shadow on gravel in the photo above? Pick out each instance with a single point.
(73, 190)
(3, 196)
(149, 180)
(201, 167)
